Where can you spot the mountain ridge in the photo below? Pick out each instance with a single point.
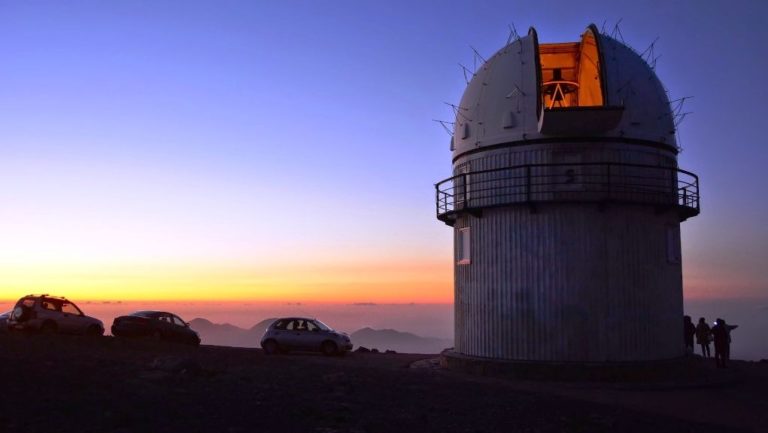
(225, 334)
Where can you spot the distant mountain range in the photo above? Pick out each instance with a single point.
(403, 342)
(382, 339)
(229, 335)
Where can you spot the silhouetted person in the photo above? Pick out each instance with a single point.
(689, 330)
(722, 336)
(703, 334)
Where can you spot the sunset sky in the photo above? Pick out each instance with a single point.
(285, 150)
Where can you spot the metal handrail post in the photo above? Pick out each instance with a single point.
(528, 183)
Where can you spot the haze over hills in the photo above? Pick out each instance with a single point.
(229, 335)
(382, 339)
(403, 342)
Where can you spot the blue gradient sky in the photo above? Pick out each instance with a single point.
(260, 140)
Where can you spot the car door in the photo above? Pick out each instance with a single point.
(304, 338)
(73, 319)
(50, 310)
(315, 335)
(278, 331)
(180, 329)
(291, 337)
(165, 325)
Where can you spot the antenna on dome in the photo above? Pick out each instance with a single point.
(649, 55)
(477, 56)
(444, 124)
(466, 70)
(616, 32)
(678, 115)
(457, 110)
(513, 35)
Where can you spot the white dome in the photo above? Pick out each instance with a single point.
(608, 91)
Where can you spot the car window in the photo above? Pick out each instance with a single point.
(29, 303)
(322, 325)
(69, 308)
(291, 325)
(301, 325)
(164, 318)
(178, 321)
(311, 326)
(50, 305)
(280, 324)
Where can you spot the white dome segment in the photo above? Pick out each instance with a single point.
(597, 88)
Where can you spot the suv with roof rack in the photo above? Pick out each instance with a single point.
(52, 314)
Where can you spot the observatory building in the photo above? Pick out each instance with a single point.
(566, 202)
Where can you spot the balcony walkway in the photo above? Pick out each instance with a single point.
(601, 183)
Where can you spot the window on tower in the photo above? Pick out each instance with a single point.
(463, 246)
(673, 245)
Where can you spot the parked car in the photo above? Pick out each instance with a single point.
(156, 324)
(52, 314)
(4, 321)
(304, 334)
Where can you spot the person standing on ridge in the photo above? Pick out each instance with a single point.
(722, 334)
(703, 335)
(689, 330)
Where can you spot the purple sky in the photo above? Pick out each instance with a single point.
(186, 132)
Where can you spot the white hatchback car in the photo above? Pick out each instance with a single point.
(52, 314)
(304, 334)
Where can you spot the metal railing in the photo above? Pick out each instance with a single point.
(584, 182)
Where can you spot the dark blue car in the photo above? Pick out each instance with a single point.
(160, 325)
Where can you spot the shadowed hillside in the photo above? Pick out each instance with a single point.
(404, 342)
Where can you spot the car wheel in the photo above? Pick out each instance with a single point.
(49, 328)
(270, 347)
(94, 331)
(329, 348)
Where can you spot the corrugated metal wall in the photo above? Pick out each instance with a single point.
(569, 282)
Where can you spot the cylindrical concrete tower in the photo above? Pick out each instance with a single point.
(566, 202)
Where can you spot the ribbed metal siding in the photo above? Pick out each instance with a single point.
(569, 283)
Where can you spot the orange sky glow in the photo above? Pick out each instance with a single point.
(425, 281)
(421, 282)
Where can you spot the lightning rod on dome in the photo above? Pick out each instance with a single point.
(477, 56)
(513, 35)
(466, 70)
(444, 124)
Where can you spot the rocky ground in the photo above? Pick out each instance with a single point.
(72, 384)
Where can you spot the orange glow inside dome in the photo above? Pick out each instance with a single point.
(570, 74)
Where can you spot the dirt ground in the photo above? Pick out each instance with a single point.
(72, 384)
